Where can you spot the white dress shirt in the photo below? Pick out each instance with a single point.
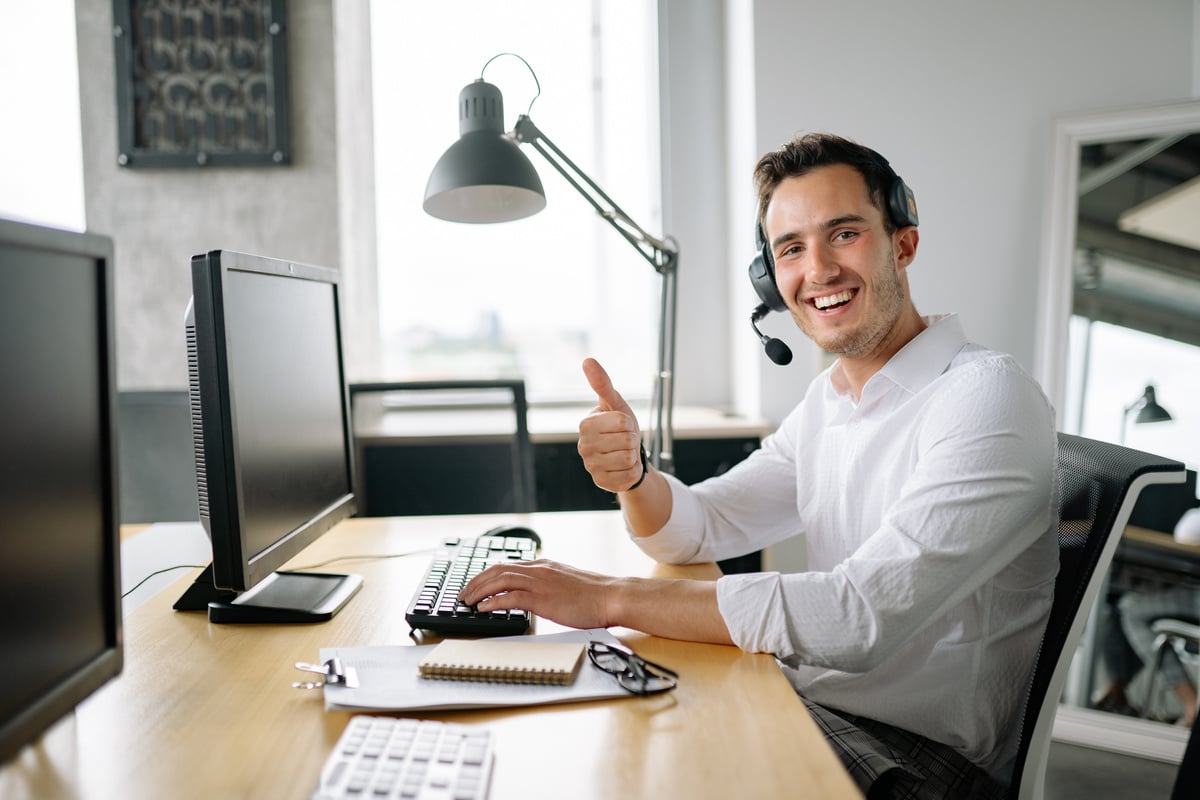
(929, 509)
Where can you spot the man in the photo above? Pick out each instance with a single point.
(919, 467)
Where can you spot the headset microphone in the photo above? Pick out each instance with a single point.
(777, 351)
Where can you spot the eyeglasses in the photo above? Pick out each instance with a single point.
(634, 673)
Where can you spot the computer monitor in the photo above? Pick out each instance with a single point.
(271, 429)
(60, 585)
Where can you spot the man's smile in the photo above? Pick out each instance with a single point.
(832, 301)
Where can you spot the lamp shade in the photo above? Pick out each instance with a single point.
(1151, 411)
(483, 177)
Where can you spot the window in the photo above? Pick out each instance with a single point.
(529, 298)
(1110, 368)
(41, 154)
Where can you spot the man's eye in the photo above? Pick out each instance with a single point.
(845, 235)
(790, 250)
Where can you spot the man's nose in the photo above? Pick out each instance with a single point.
(822, 265)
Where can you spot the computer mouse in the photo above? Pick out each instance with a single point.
(518, 531)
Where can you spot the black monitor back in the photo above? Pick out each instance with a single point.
(271, 428)
(60, 606)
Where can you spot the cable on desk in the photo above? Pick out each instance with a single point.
(160, 572)
(363, 557)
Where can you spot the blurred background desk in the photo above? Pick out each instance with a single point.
(205, 710)
(403, 448)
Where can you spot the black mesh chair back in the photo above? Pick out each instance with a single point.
(1099, 484)
(489, 468)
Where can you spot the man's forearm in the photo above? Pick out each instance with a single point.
(672, 608)
(648, 507)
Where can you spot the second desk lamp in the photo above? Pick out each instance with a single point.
(1148, 410)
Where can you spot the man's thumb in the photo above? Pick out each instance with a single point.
(608, 398)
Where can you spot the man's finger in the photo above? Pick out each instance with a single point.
(609, 399)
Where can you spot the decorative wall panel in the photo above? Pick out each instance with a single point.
(201, 83)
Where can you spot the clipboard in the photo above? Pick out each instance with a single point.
(387, 679)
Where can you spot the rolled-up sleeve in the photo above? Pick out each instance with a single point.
(678, 541)
(751, 506)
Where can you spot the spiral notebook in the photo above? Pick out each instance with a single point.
(499, 661)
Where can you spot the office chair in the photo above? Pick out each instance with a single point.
(1099, 484)
(402, 473)
(1183, 638)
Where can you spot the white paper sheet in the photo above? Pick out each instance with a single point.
(389, 681)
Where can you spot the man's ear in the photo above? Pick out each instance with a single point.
(905, 243)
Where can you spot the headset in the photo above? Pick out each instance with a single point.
(901, 206)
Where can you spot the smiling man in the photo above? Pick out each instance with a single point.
(920, 468)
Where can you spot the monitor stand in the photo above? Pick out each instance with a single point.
(281, 597)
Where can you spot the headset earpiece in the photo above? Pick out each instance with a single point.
(762, 273)
(902, 204)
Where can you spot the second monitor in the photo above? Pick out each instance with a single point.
(271, 428)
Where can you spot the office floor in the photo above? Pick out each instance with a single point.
(1074, 772)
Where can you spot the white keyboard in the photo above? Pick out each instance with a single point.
(385, 757)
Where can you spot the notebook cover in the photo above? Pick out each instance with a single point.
(502, 661)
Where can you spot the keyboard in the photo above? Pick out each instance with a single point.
(385, 757)
(434, 605)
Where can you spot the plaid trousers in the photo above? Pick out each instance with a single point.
(888, 762)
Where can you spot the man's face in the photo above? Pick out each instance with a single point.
(836, 266)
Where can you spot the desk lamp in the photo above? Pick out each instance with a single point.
(484, 177)
(1148, 410)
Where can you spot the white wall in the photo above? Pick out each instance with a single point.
(1196, 48)
(961, 98)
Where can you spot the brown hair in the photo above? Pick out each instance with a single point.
(805, 153)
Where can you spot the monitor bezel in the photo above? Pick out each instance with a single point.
(233, 567)
(62, 698)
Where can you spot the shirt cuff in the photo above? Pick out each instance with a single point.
(675, 542)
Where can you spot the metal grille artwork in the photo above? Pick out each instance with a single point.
(201, 83)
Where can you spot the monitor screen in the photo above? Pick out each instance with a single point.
(271, 427)
(60, 618)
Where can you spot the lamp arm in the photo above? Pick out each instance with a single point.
(661, 255)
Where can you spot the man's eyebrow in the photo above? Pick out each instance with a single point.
(843, 220)
(784, 238)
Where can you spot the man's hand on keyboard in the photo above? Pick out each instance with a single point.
(670, 607)
(567, 595)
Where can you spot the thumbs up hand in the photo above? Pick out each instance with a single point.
(609, 437)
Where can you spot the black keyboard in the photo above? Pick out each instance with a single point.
(435, 606)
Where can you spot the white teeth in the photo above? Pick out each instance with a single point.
(833, 299)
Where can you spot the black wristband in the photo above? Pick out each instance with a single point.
(645, 470)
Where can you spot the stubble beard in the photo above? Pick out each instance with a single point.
(888, 295)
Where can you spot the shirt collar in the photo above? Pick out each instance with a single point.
(920, 361)
(928, 355)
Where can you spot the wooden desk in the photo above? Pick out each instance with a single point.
(207, 711)
(1160, 552)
